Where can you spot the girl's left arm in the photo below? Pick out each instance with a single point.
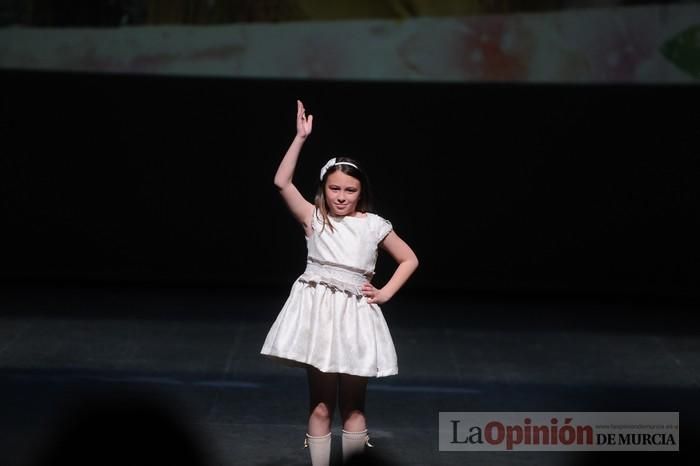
(407, 264)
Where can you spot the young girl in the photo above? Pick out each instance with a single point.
(331, 323)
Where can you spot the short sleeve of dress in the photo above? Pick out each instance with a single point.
(382, 227)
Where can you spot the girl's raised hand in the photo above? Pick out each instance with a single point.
(304, 123)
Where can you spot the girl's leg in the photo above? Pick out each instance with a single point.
(352, 390)
(323, 389)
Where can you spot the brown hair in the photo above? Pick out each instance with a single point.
(364, 203)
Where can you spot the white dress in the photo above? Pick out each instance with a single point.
(326, 321)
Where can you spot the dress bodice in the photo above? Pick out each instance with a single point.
(352, 243)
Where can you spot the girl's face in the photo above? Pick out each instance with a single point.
(342, 193)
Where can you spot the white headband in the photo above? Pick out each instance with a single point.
(333, 163)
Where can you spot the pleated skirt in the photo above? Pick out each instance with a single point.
(332, 330)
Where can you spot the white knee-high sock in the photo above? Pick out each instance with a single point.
(319, 449)
(354, 443)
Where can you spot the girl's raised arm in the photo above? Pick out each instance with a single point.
(301, 208)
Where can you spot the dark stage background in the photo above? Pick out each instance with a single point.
(581, 190)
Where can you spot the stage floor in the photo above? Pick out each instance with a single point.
(177, 373)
